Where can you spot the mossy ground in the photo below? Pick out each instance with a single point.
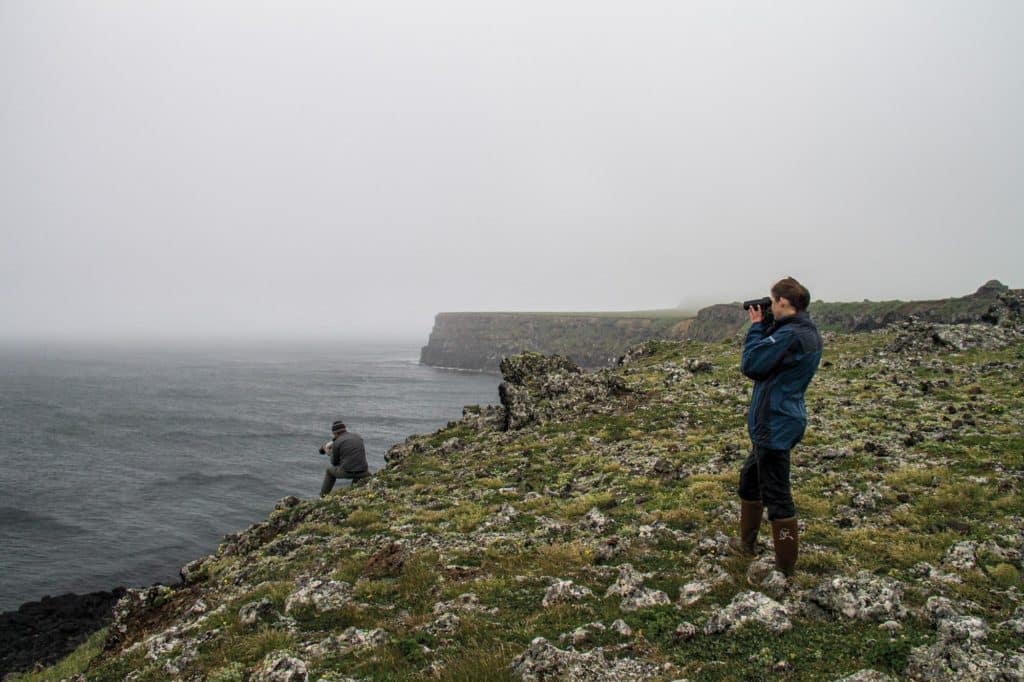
(938, 437)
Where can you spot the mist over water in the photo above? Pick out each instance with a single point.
(120, 464)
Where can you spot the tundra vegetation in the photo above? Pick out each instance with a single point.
(579, 531)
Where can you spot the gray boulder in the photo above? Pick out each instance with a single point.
(564, 591)
(630, 586)
(543, 661)
(321, 595)
(750, 607)
(255, 612)
(865, 597)
(281, 666)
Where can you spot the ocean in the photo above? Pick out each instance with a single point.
(119, 464)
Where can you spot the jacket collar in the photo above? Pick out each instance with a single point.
(800, 318)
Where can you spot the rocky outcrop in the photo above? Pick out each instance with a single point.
(544, 661)
(541, 388)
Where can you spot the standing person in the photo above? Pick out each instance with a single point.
(781, 360)
(348, 457)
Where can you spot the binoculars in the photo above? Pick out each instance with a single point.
(766, 308)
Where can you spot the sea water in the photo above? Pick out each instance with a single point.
(119, 464)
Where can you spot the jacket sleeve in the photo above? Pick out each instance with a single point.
(762, 354)
(336, 452)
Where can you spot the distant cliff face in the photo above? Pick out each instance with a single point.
(480, 340)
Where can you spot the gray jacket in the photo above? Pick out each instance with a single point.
(348, 451)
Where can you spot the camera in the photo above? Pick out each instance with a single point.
(326, 447)
(766, 309)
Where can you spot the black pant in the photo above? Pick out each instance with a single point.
(334, 473)
(765, 477)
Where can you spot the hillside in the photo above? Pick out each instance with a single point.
(578, 531)
(723, 320)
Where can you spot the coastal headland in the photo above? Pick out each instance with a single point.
(479, 340)
(579, 531)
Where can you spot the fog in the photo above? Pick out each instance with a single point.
(250, 170)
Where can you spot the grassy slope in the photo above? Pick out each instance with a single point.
(933, 493)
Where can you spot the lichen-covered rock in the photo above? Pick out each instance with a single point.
(865, 597)
(287, 503)
(176, 647)
(595, 520)
(281, 666)
(629, 580)
(926, 571)
(693, 591)
(939, 609)
(446, 624)
(961, 556)
(958, 652)
(542, 661)
(775, 584)
(630, 586)
(321, 595)
(685, 631)
(582, 635)
(466, 602)
(920, 336)
(131, 607)
(866, 675)
(750, 607)
(541, 388)
(622, 628)
(963, 629)
(349, 640)
(260, 611)
(564, 591)
(957, 655)
(195, 571)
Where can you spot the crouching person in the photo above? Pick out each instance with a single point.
(348, 458)
(781, 359)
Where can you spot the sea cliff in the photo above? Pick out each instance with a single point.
(479, 341)
(578, 531)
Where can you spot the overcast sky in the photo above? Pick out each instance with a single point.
(352, 168)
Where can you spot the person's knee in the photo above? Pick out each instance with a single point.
(780, 507)
(751, 492)
(749, 487)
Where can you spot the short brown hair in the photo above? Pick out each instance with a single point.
(792, 291)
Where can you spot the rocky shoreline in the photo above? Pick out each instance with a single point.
(42, 632)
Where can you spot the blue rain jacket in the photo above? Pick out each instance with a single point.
(781, 361)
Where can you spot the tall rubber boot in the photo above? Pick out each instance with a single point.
(784, 535)
(750, 523)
